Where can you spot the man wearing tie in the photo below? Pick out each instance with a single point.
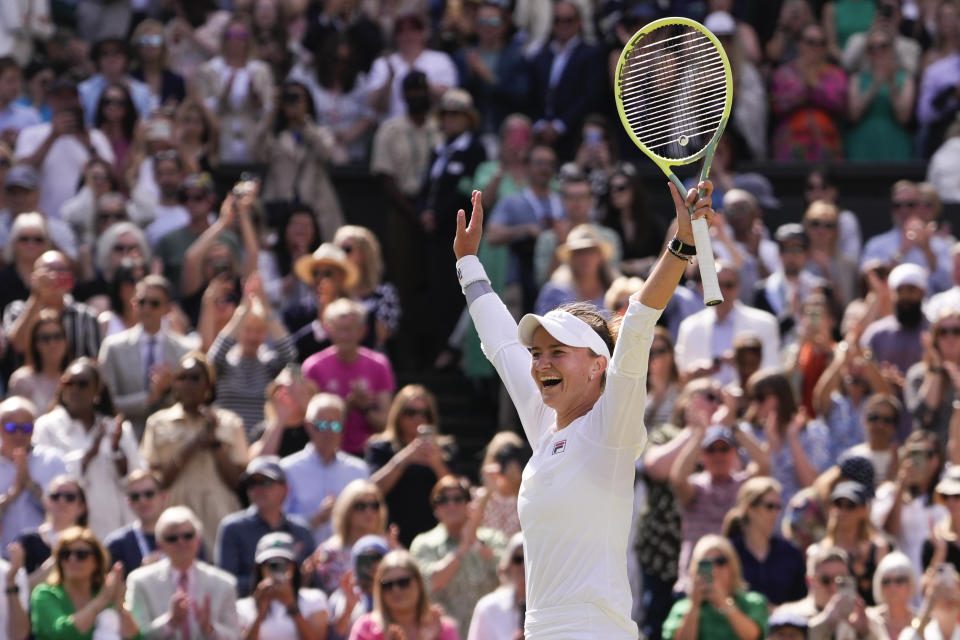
(138, 363)
(180, 597)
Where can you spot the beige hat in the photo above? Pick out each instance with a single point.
(459, 101)
(330, 255)
(950, 484)
(584, 236)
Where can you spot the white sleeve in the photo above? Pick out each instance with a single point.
(625, 393)
(498, 338)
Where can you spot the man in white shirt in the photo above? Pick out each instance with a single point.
(317, 474)
(166, 214)
(705, 338)
(138, 363)
(60, 149)
(180, 596)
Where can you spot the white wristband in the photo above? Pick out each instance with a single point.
(470, 270)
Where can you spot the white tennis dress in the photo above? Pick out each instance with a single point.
(576, 497)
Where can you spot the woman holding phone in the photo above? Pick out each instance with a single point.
(580, 399)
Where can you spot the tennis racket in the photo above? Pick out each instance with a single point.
(674, 91)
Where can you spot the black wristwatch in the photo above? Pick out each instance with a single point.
(12, 590)
(293, 611)
(678, 246)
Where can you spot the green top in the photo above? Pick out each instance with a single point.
(50, 611)
(850, 17)
(713, 624)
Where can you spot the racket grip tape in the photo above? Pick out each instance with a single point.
(705, 259)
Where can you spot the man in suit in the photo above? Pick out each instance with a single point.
(705, 339)
(567, 78)
(180, 597)
(138, 363)
(135, 544)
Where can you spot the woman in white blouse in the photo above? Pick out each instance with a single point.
(580, 401)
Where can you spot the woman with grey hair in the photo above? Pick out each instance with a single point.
(894, 589)
(116, 243)
(27, 241)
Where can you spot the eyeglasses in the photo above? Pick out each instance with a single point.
(44, 338)
(188, 377)
(186, 536)
(413, 412)
(898, 580)
(261, 481)
(320, 274)
(397, 583)
(66, 496)
(31, 239)
(333, 426)
(906, 204)
(877, 417)
(78, 554)
(80, 383)
(146, 494)
(771, 506)
(948, 331)
(517, 559)
(845, 505)
(360, 507)
(153, 303)
(13, 427)
(821, 224)
(126, 248)
(152, 40)
(443, 499)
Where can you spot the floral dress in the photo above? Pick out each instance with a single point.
(807, 116)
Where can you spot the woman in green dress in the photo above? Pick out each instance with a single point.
(879, 104)
(81, 596)
(843, 18)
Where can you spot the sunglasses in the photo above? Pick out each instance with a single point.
(729, 284)
(517, 560)
(455, 499)
(360, 507)
(401, 583)
(44, 338)
(80, 383)
(291, 97)
(112, 215)
(771, 506)
(899, 580)
(333, 426)
(155, 40)
(119, 101)
(31, 239)
(79, 554)
(153, 303)
(821, 224)
(719, 561)
(320, 274)
(876, 417)
(13, 427)
(619, 188)
(951, 496)
(261, 481)
(719, 449)
(656, 353)
(845, 505)
(147, 494)
(948, 331)
(905, 204)
(186, 536)
(411, 412)
(711, 396)
(127, 248)
(277, 566)
(66, 496)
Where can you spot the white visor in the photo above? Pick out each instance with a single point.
(566, 328)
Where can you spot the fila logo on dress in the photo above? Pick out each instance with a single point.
(559, 447)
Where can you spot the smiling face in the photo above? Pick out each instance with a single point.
(563, 373)
(365, 515)
(64, 503)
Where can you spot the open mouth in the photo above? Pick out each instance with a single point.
(550, 381)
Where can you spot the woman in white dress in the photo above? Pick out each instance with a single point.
(582, 412)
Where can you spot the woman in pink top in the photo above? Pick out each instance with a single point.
(401, 605)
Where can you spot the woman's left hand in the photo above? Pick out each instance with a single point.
(701, 207)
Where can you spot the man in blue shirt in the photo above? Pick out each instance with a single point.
(237, 537)
(13, 116)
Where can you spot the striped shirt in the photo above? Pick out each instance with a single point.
(242, 382)
(79, 323)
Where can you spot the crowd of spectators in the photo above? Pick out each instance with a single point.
(210, 428)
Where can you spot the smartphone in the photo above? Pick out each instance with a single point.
(593, 136)
(366, 565)
(426, 431)
(847, 584)
(705, 569)
(917, 458)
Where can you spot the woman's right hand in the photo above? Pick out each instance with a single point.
(467, 240)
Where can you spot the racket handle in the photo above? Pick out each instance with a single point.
(708, 268)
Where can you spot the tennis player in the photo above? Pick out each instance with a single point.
(580, 392)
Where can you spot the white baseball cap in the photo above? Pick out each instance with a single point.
(565, 327)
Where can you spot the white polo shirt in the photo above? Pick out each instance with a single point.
(576, 498)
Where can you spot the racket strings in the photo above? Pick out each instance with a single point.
(673, 84)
